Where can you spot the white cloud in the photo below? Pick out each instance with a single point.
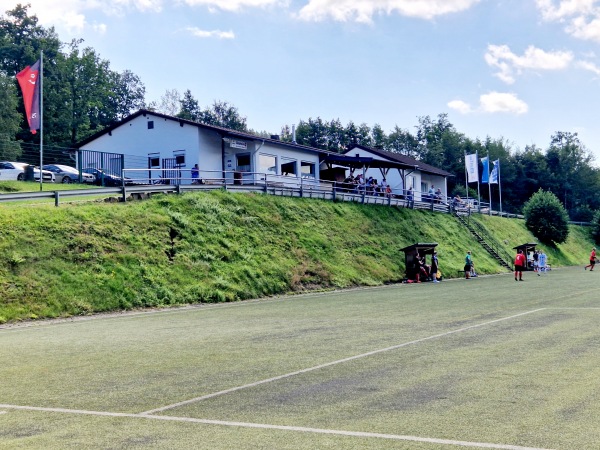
(460, 106)
(364, 10)
(72, 15)
(494, 102)
(197, 32)
(565, 9)
(581, 17)
(586, 65)
(510, 64)
(235, 5)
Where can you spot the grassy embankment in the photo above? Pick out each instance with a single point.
(219, 246)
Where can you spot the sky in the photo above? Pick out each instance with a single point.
(518, 70)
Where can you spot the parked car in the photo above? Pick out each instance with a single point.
(104, 178)
(10, 170)
(68, 174)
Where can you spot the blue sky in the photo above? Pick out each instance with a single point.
(514, 69)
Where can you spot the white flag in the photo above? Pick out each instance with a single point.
(495, 172)
(472, 168)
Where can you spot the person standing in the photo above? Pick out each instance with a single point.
(195, 174)
(592, 260)
(410, 199)
(434, 267)
(520, 262)
(468, 265)
(541, 262)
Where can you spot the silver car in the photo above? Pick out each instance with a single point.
(10, 170)
(68, 174)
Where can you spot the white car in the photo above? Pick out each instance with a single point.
(68, 174)
(16, 171)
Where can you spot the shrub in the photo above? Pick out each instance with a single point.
(596, 227)
(546, 218)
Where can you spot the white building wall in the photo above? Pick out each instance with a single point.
(202, 146)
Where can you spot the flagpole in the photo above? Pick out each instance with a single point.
(466, 179)
(41, 116)
(478, 193)
(489, 184)
(499, 186)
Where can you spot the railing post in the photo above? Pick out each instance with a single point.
(302, 187)
(334, 191)
(56, 197)
(266, 183)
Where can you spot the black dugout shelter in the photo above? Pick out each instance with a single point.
(528, 250)
(410, 257)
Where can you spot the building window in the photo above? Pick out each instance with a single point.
(289, 167)
(267, 164)
(307, 169)
(243, 162)
(150, 124)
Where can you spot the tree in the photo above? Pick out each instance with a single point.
(568, 160)
(546, 218)
(378, 137)
(169, 103)
(596, 227)
(125, 96)
(222, 114)
(9, 119)
(189, 108)
(402, 141)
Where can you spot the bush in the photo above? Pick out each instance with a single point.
(546, 218)
(596, 227)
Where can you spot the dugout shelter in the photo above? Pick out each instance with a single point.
(410, 257)
(528, 251)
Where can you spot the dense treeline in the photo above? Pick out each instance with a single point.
(82, 95)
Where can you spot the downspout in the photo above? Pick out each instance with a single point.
(223, 159)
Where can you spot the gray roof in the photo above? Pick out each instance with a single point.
(402, 159)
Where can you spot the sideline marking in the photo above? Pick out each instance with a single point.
(332, 363)
(362, 434)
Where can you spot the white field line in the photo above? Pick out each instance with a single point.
(332, 363)
(360, 434)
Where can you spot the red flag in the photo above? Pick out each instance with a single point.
(28, 79)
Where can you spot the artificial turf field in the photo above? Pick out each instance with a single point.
(481, 363)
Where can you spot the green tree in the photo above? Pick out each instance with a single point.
(9, 119)
(546, 218)
(378, 137)
(402, 141)
(223, 114)
(596, 227)
(569, 166)
(189, 108)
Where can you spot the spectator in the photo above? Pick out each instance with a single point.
(431, 194)
(438, 195)
(410, 199)
(457, 201)
(434, 267)
(196, 175)
(468, 265)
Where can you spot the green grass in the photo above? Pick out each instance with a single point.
(217, 247)
(486, 360)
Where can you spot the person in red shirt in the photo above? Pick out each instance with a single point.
(520, 262)
(592, 260)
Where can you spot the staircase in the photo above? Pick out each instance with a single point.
(491, 245)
